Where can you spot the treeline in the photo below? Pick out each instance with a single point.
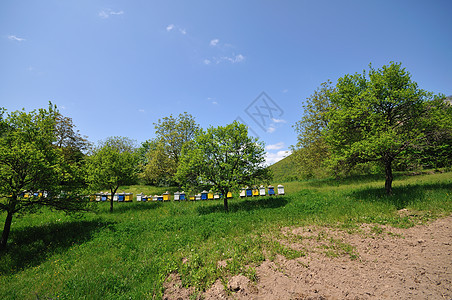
(42, 151)
(376, 121)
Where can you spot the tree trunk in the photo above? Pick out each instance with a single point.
(113, 192)
(6, 230)
(389, 177)
(225, 201)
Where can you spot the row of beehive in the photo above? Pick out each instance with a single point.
(204, 195)
(30, 194)
(120, 197)
(255, 191)
(181, 196)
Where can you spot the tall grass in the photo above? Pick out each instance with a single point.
(129, 253)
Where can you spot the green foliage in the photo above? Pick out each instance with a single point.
(373, 121)
(159, 168)
(30, 161)
(113, 163)
(224, 157)
(130, 253)
(162, 155)
(312, 152)
(436, 149)
(376, 117)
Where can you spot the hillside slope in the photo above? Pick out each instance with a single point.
(285, 169)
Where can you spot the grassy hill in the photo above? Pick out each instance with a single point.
(285, 170)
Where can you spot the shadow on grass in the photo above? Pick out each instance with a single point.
(136, 206)
(345, 181)
(356, 179)
(244, 205)
(402, 196)
(30, 246)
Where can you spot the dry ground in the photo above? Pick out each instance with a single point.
(374, 262)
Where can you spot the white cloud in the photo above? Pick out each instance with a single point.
(170, 27)
(271, 158)
(276, 146)
(207, 61)
(103, 14)
(15, 38)
(212, 100)
(141, 110)
(271, 129)
(232, 59)
(285, 90)
(238, 58)
(106, 13)
(214, 42)
(279, 120)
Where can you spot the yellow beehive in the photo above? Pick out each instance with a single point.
(128, 197)
(210, 195)
(229, 195)
(166, 196)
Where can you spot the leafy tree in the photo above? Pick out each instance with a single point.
(377, 117)
(74, 145)
(224, 157)
(112, 164)
(163, 155)
(31, 162)
(312, 152)
(159, 168)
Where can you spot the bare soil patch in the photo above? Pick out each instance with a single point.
(374, 262)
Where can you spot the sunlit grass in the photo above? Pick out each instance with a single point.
(130, 252)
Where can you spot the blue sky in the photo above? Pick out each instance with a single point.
(116, 67)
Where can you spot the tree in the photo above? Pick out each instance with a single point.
(159, 167)
(112, 164)
(74, 145)
(377, 117)
(31, 162)
(224, 157)
(312, 151)
(163, 155)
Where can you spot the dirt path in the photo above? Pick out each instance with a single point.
(374, 263)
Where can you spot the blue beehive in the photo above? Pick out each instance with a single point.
(271, 190)
(121, 196)
(182, 196)
(249, 192)
(204, 195)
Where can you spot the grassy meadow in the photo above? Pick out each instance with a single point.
(129, 253)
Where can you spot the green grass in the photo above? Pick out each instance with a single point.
(129, 253)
